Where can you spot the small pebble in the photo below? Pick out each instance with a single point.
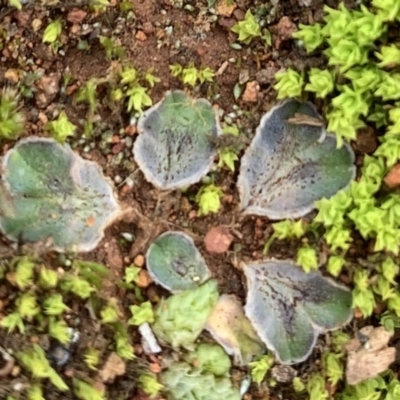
(139, 260)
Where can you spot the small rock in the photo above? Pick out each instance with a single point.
(149, 341)
(283, 373)
(155, 368)
(59, 355)
(114, 258)
(250, 94)
(131, 130)
(192, 214)
(140, 35)
(392, 179)
(48, 87)
(114, 366)
(366, 140)
(226, 23)
(76, 16)
(23, 18)
(266, 75)
(139, 260)
(239, 14)
(144, 279)
(225, 7)
(368, 354)
(75, 28)
(148, 28)
(244, 76)
(42, 117)
(117, 148)
(12, 75)
(286, 27)
(36, 24)
(218, 239)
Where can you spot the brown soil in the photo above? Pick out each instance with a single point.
(196, 37)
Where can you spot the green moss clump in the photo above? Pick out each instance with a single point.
(180, 318)
(203, 377)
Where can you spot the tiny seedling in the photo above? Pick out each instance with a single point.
(52, 33)
(208, 199)
(249, 29)
(260, 368)
(61, 128)
(204, 375)
(289, 84)
(15, 3)
(191, 75)
(12, 121)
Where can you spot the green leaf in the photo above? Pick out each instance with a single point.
(87, 391)
(150, 78)
(61, 128)
(311, 35)
(209, 199)
(141, 314)
(288, 229)
(149, 384)
(138, 98)
(346, 54)
(190, 75)
(307, 258)
(52, 31)
(343, 125)
(54, 305)
(351, 103)
(260, 368)
(363, 79)
(248, 29)
(129, 76)
(370, 389)
(316, 387)
(227, 157)
(132, 274)
(390, 9)
(335, 265)
(12, 121)
(389, 89)
(289, 84)
(59, 330)
(27, 305)
(321, 82)
(15, 3)
(13, 321)
(333, 364)
(389, 56)
(176, 70)
(338, 238)
(206, 75)
(24, 272)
